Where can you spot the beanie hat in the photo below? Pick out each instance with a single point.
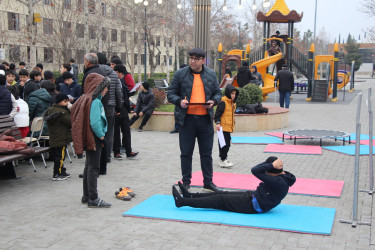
(48, 75)
(61, 97)
(271, 159)
(66, 75)
(146, 85)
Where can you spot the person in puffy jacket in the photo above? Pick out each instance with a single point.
(39, 101)
(274, 186)
(144, 107)
(258, 76)
(224, 119)
(244, 75)
(58, 121)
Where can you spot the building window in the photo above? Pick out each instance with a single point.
(158, 59)
(123, 36)
(170, 42)
(123, 12)
(92, 32)
(14, 53)
(170, 60)
(67, 4)
(114, 35)
(142, 59)
(165, 60)
(80, 5)
(47, 2)
(47, 26)
(123, 58)
(67, 28)
(92, 6)
(135, 59)
(135, 37)
(157, 38)
(48, 55)
(80, 56)
(13, 21)
(114, 13)
(104, 34)
(80, 30)
(104, 9)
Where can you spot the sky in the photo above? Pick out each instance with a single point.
(338, 17)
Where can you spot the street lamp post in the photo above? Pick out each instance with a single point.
(145, 3)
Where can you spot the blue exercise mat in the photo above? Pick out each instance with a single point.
(256, 140)
(350, 149)
(301, 219)
(353, 137)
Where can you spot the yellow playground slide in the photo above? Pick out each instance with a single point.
(268, 79)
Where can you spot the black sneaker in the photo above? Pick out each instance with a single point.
(212, 187)
(85, 199)
(118, 157)
(174, 131)
(186, 186)
(58, 177)
(140, 129)
(80, 175)
(132, 155)
(65, 174)
(98, 203)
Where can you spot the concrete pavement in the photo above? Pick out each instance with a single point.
(37, 212)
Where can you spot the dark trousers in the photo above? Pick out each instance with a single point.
(223, 152)
(144, 121)
(110, 115)
(239, 202)
(103, 159)
(199, 127)
(284, 97)
(58, 155)
(91, 171)
(122, 124)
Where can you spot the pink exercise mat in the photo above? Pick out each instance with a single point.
(315, 187)
(293, 149)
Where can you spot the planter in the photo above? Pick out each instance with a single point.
(276, 118)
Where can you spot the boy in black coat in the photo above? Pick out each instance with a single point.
(145, 105)
(270, 192)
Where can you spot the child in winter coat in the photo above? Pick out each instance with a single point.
(145, 105)
(22, 118)
(59, 125)
(224, 117)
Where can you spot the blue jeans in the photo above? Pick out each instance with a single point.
(199, 127)
(284, 96)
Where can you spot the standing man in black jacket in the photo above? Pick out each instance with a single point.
(286, 85)
(270, 192)
(194, 91)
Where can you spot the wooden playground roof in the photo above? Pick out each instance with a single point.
(279, 13)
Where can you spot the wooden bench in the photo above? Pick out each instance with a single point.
(6, 160)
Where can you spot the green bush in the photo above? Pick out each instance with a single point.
(249, 94)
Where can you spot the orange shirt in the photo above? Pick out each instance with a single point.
(197, 96)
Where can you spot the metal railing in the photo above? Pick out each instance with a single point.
(257, 55)
(299, 60)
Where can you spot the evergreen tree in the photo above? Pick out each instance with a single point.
(352, 52)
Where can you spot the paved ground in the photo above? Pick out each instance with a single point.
(39, 213)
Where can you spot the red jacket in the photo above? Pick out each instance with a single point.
(129, 81)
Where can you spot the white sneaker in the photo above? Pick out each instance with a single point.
(227, 164)
(221, 163)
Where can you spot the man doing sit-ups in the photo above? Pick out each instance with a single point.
(270, 192)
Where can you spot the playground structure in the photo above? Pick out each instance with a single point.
(307, 65)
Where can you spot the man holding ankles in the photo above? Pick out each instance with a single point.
(195, 90)
(269, 194)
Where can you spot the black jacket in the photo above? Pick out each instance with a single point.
(89, 70)
(5, 101)
(30, 86)
(145, 103)
(272, 189)
(182, 85)
(286, 80)
(73, 89)
(244, 76)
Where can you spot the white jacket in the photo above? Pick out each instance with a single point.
(22, 117)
